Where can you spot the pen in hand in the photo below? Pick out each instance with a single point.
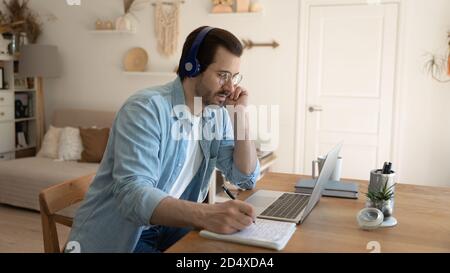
(228, 192)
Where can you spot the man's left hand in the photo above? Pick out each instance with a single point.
(239, 97)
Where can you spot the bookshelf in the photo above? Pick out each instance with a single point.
(24, 115)
(18, 105)
(151, 74)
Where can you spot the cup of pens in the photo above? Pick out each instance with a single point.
(381, 192)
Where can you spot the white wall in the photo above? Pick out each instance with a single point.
(424, 146)
(92, 76)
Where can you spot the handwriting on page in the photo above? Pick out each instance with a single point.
(266, 230)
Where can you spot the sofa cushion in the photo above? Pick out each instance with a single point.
(94, 144)
(70, 144)
(50, 144)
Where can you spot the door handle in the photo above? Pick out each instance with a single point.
(315, 108)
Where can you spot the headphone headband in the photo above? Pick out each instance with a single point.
(191, 66)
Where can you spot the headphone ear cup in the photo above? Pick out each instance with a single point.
(188, 67)
(194, 67)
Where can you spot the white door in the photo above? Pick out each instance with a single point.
(350, 84)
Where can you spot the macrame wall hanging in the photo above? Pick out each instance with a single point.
(167, 16)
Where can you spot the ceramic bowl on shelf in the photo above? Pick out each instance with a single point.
(135, 60)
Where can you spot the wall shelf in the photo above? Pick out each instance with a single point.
(108, 31)
(26, 148)
(25, 90)
(25, 119)
(6, 57)
(152, 74)
(238, 14)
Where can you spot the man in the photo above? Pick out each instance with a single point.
(151, 183)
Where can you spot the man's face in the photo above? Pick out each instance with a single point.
(209, 87)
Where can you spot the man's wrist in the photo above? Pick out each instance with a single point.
(198, 212)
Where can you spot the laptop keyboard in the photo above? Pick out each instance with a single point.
(288, 205)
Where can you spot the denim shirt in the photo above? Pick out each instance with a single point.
(142, 161)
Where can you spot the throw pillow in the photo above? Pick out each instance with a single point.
(94, 144)
(50, 144)
(70, 145)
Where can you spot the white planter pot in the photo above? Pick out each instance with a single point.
(126, 23)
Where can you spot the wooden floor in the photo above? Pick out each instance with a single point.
(21, 231)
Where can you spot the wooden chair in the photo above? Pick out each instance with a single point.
(53, 200)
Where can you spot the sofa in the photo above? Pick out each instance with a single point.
(22, 179)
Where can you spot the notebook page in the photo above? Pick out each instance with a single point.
(265, 233)
(266, 230)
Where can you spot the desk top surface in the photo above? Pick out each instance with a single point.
(423, 215)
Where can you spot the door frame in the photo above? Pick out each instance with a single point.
(302, 76)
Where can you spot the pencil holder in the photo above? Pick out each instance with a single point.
(381, 194)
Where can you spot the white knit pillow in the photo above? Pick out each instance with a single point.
(50, 144)
(70, 144)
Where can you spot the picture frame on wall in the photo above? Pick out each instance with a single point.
(20, 84)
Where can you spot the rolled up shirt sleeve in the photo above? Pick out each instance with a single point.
(225, 159)
(136, 170)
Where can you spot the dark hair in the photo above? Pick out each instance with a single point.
(215, 38)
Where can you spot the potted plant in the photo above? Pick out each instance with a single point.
(382, 199)
(127, 22)
(21, 23)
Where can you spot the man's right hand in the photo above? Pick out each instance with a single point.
(228, 217)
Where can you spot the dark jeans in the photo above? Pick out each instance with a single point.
(159, 238)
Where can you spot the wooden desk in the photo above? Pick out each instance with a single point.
(423, 215)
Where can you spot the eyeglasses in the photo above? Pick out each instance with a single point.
(224, 77)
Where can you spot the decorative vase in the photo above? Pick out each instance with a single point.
(99, 24)
(109, 25)
(17, 41)
(133, 24)
(242, 5)
(123, 23)
(448, 62)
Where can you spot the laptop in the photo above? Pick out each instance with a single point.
(290, 206)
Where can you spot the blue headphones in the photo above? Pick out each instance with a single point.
(191, 66)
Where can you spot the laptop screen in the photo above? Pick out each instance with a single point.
(324, 176)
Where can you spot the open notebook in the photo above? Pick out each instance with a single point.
(265, 233)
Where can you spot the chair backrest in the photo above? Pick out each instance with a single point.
(56, 198)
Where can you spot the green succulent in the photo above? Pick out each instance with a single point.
(385, 194)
